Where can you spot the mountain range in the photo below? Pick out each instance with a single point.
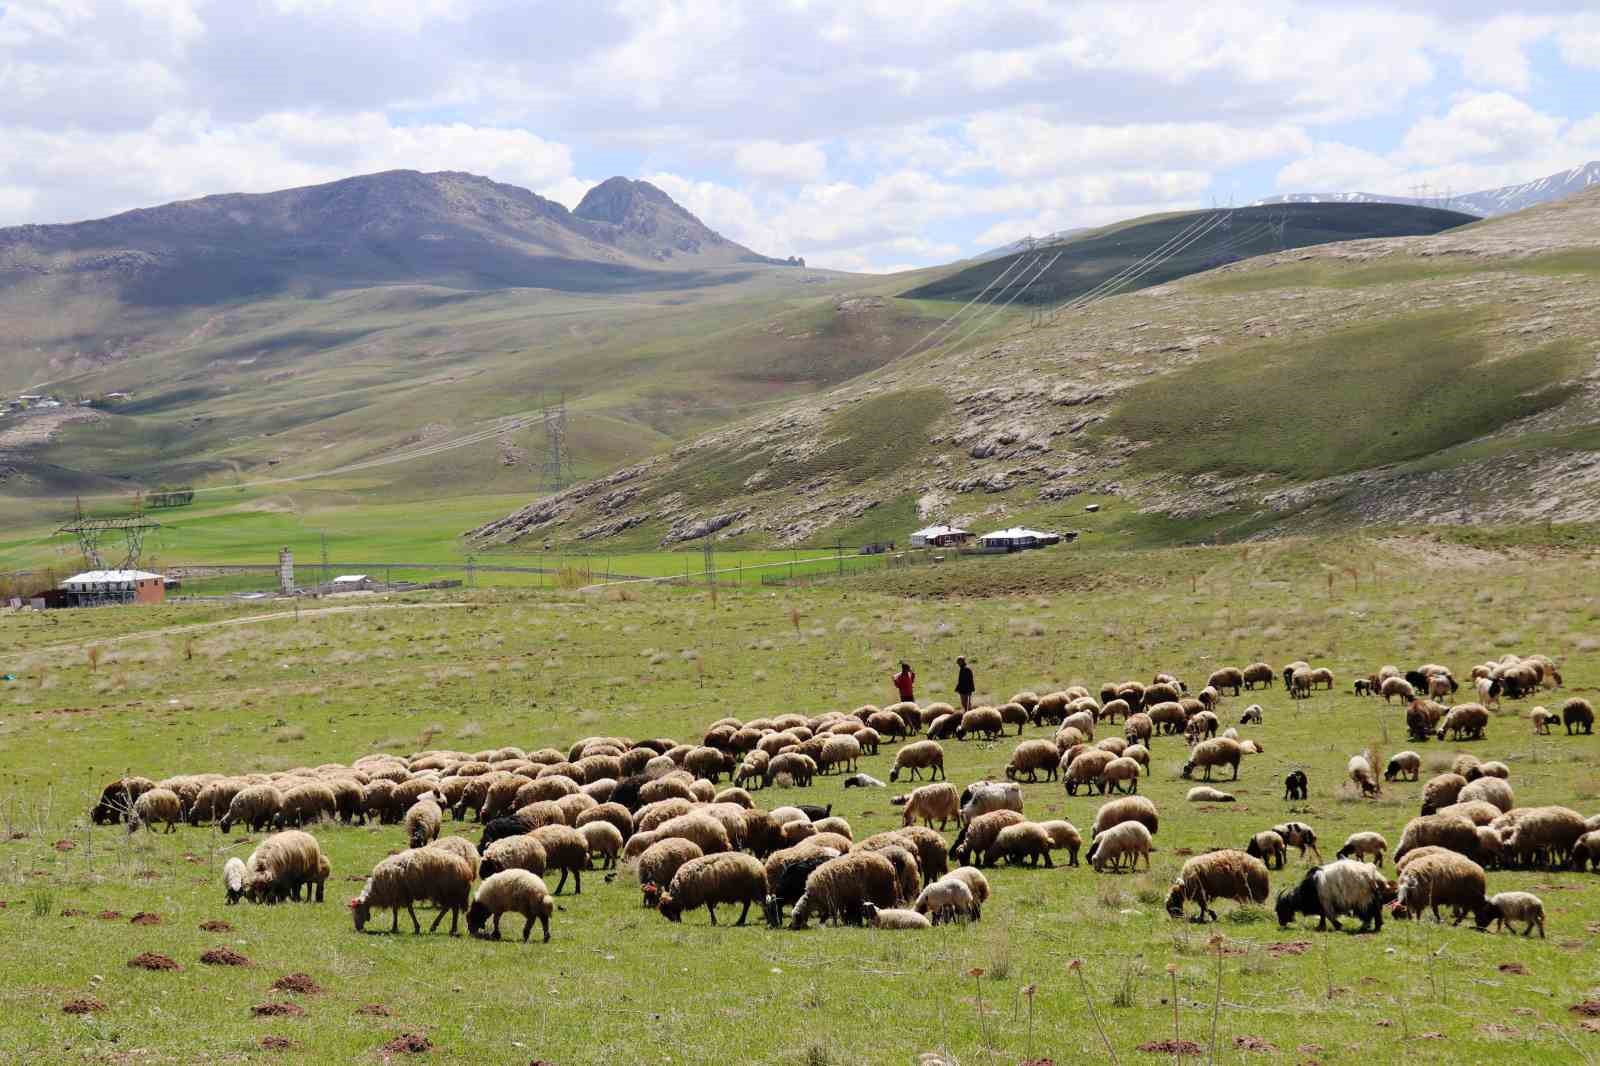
(1486, 204)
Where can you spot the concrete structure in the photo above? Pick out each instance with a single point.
(286, 572)
(94, 588)
(940, 537)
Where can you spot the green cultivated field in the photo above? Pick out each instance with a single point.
(189, 688)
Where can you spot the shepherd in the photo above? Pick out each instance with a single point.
(905, 683)
(964, 683)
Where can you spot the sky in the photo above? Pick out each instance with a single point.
(861, 134)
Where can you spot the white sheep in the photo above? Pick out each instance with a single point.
(514, 891)
(939, 801)
(1123, 840)
(1364, 845)
(1503, 908)
(233, 875)
(418, 875)
(895, 918)
(947, 899)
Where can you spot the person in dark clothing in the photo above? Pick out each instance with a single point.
(964, 683)
(905, 683)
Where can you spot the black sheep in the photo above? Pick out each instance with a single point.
(627, 791)
(1295, 786)
(1301, 899)
(500, 828)
(814, 812)
(789, 886)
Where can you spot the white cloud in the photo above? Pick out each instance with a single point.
(1489, 127)
(1580, 42)
(1025, 146)
(774, 161)
(1495, 53)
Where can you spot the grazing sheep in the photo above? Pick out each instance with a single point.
(1396, 686)
(660, 861)
(1139, 754)
(948, 899)
(233, 879)
(304, 804)
(282, 865)
(977, 835)
(1545, 836)
(1541, 718)
(1403, 765)
(1478, 812)
(1503, 908)
(973, 878)
(1201, 727)
(1586, 852)
(1168, 718)
(1121, 772)
(839, 889)
(603, 841)
(1442, 880)
(1465, 721)
(1363, 686)
(1125, 840)
(1219, 751)
(1138, 728)
(255, 807)
(1268, 846)
(1127, 809)
(1251, 715)
(422, 822)
(731, 878)
(1437, 830)
(521, 852)
(787, 873)
(986, 796)
(566, 850)
(1360, 770)
(1339, 888)
(156, 805)
(1490, 790)
(840, 751)
(1032, 756)
(1258, 674)
(929, 848)
(1064, 835)
(917, 756)
(516, 892)
(1296, 786)
(1113, 709)
(1024, 842)
(1227, 677)
(420, 875)
(894, 918)
(117, 800)
(1492, 768)
(939, 801)
(1578, 713)
(1086, 770)
(1013, 714)
(1298, 682)
(1225, 874)
(1441, 791)
(1207, 794)
(1299, 835)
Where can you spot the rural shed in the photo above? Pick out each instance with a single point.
(351, 582)
(1015, 539)
(93, 588)
(940, 537)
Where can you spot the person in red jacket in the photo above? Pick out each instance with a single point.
(905, 683)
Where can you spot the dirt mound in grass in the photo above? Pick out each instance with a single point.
(215, 925)
(145, 918)
(1513, 967)
(297, 982)
(109, 916)
(1171, 1047)
(409, 1044)
(73, 912)
(278, 1010)
(277, 1043)
(376, 1010)
(1254, 1043)
(224, 957)
(86, 1005)
(1589, 1008)
(152, 960)
(1288, 947)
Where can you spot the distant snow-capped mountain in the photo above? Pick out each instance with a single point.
(1028, 244)
(1502, 201)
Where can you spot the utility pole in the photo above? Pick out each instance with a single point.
(325, 577)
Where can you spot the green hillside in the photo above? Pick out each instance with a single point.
(1091, 258)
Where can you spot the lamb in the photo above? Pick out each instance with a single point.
(894, 918)
(1030, 757)
(1360, 770)
(1219, 751)
(948, 899)
(602, 840)
(1540, 717)
(1503, 908)
(1404, 766)
(156, 805)
(916, 756)
(1331, 891)
(731, 878)
(1124, 840)
(976, 883)
(1207, 794)
(1364, 845)
(233, 878)
(1225, 874)
(840, 888)
(516, 892)
(521, 852)
(1578, 713)
(1026, 841)
(1119, 772)
(1127, 809)
(1440, 880)
(862, 781)
(1064, 834)
(1466, 721)
(986, 796)
(1268, 846)
(1251, 715)
(566, 850)
(254, 806)
(1489, 789)
(1441, 791)
(939, 801)
(1437, 830)
(422, 822)
(426, 875)
(977, 835)
(1299, 835)
(1295, 786)
(282, 864)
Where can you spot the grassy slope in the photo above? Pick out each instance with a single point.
(535, 670)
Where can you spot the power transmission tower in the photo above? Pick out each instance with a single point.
(1279, 224)
(90, 532)
(557, 460)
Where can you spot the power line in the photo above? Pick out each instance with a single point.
(979, 324)
(1161, 255)
(557, 460)
(963, 309)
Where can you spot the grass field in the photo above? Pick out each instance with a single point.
(205, 688)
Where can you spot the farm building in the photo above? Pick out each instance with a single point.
(94, 588)
(940, 537)
(1016, 539)
(351, 583)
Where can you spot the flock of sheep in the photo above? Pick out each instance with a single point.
(661, 807)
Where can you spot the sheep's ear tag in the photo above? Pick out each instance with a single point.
(353, 904)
